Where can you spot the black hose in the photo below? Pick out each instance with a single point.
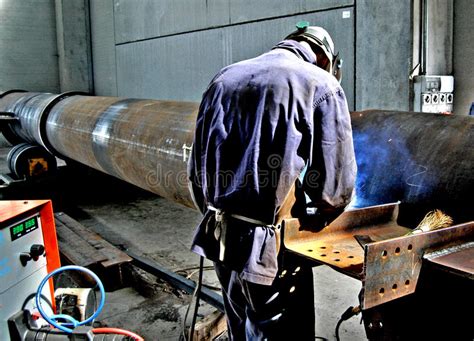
(351, 311)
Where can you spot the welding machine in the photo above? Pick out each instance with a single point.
(28, 252)
(29, 258)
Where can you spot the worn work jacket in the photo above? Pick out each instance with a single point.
(261, 123)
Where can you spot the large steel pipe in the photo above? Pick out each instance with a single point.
(144, 142)
(423, 160)
(418, 159)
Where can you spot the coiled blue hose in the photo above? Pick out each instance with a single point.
(52, 319)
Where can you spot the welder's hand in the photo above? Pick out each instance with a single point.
(319, 217)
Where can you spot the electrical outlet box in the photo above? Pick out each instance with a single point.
(433, 94)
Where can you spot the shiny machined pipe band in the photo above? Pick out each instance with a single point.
(15, 102)
(43, 117)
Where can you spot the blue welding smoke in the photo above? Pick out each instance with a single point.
(388, 171)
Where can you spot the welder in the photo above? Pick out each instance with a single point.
(273, 138)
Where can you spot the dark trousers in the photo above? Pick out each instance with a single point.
(282, 311)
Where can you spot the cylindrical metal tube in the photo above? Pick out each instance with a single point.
(410, 157)
(422, 160)
(27, 107)
(140, 141)
(144, 142)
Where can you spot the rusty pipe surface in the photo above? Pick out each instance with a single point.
(415, 158)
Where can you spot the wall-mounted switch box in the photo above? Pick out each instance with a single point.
(433, 93)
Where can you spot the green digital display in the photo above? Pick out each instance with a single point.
(23, 228)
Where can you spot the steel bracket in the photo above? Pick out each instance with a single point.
(369, 245)
(392, 267)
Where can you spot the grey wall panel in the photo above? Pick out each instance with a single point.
(180, 69)
(261, 36)
(170, 68)
(383, 54)
(440, 37)
(28, 50)
(313, 5)
(103, 47)
(463, 56)
(74, 48)
(247, 10)
(144, 19)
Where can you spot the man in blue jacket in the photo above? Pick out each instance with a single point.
(273, 131)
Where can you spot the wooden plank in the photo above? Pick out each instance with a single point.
(210, 327)
(75, 249)
(113, 255)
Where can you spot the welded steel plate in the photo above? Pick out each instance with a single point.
(336, 244)
(392, 267)
(458, 260)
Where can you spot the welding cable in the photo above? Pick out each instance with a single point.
(351, 311)
(196, 296)
(117, 331)
(52, 319)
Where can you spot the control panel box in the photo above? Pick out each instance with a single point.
(433, 94)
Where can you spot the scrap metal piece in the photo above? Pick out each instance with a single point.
(176, 280)
(392, 267)
(458, 260)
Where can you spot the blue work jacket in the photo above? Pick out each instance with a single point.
(261, 123)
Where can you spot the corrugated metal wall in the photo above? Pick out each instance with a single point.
(171, 49)
(28, 50)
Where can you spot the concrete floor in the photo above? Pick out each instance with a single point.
(156, 228)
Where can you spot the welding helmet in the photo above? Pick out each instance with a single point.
(320, 38)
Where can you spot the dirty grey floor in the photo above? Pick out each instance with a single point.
(156, 228)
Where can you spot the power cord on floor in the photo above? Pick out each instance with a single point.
(196, 297)
(351, 311)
